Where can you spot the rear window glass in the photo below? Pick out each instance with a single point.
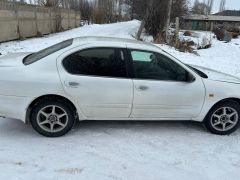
(104, 62)
(46, 52)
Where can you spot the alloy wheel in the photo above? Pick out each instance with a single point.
(224, 119)
(52, 118)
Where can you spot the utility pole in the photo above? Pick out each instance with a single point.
(168, 19)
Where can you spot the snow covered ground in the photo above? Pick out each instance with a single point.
(123, 150)
(224, 57)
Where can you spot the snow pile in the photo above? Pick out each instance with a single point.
(200, 38)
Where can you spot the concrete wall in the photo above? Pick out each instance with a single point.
(21, 21)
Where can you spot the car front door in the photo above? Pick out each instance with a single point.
(163, 88)
(97, 78)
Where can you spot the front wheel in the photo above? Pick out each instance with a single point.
(224, 118)
(52, 118)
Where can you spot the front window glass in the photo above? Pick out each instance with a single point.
(46, 52)
(155, 66)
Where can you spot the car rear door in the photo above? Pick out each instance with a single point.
(161, 88)
(96, 76)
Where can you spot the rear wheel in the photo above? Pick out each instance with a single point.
(224, 118)
(52, 118)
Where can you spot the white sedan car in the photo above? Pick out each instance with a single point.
(95, 78)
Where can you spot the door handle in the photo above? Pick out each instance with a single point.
(72, 84)
(142, 88)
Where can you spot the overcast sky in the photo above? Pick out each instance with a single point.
(230, 4)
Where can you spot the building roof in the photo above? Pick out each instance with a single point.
(228, 13)
(213, 18)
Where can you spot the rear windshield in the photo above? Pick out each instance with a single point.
(46, 52)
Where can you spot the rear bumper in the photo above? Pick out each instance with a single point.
(14, 107)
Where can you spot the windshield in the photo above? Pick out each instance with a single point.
(46, 52)
(200, 73)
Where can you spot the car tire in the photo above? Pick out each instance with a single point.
(52, 117)
(224, 118)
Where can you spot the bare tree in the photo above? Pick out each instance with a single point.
(153, 14)
(169, 9)
(107, 11)
(201, 8)
(222, 5)
(86, 8)
(130, 4)
(149, 9)
(49, 3)
(210, 5)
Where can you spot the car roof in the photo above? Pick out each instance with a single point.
(89, 39)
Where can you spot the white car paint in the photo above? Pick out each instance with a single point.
(98, 98)
(217, 75)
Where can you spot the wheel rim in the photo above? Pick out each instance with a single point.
(52, 118)
(224, 119)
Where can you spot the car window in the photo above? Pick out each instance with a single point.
(46, 52)
(155, 66)
(107, 62)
